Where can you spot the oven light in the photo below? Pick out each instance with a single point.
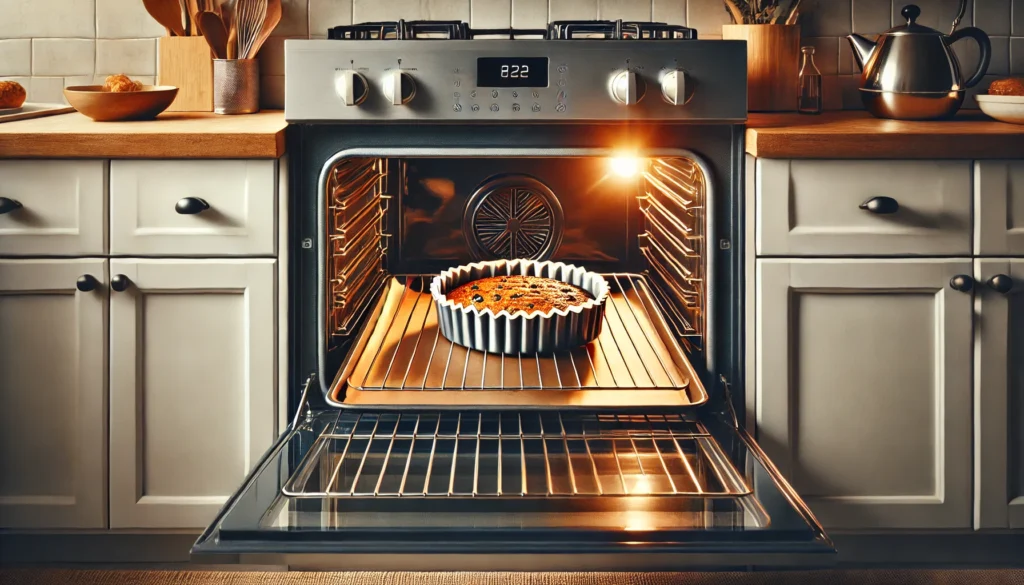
(625, 166)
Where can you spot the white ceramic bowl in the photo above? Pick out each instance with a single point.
(1005, 108)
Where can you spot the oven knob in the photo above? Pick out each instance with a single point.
(627, 87)
(352, 87)
(399, 88)
(676, 87)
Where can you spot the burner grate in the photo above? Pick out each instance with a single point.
(517, 454)
(401, 30)
(619, 30)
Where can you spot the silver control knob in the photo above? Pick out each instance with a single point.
(627, 87)
(351, 87)
(399, 87)
(676, 87)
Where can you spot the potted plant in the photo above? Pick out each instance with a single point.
(773, 50)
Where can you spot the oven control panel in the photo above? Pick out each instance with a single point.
(485, 81)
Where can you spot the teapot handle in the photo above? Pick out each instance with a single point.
(986, 51)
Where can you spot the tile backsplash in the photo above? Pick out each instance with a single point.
(47, 45)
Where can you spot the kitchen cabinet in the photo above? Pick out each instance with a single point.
(53, 208)
(53, 399)
(999, 393)
(192, 385)
(193, 207)
(864, 388)
(814, 208)
(999, 208)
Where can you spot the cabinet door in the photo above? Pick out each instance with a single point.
(999, 208)
(192, 386)
(53, 207)
(864, 388)
(999, 396)
(53, 409)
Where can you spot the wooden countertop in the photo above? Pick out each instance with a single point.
(170, 135)
(860, 135)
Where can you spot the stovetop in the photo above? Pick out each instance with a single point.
(555, 31)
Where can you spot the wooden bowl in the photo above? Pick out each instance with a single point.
(107, 106)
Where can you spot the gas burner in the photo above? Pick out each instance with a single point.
(401, 30)
(617, 29)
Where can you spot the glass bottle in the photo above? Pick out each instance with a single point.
(810, 84)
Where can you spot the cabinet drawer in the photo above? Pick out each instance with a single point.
(813, 208)
(999, 208)
(53, 207)
(187, 207)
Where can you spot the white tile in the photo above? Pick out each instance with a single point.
(376, 10)
(131, 57)
(669, 11)
(825, 18)
(271, 57)
(48, 90)
(16, 57)
(872, 17)
(490, 14)
(294, 19)
(937, 14)
(850, 87)
(572, 9)
(707, 16)
(63, 56)
(530, 14)
(635, 10)
(125, 19)
(23, 19)
(1017, 55)
(272, 92)
(324, 14)
(1018, 18)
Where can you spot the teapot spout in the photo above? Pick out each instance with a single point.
(862, 49)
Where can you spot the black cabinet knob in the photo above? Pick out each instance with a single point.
(86, 283)
(1000, 283)
(962, 283)
(191, 206)
(8, 205)
(881, 205)
(119, 282)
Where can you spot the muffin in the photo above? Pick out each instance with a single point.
(1008, 86)
(12, 95)
(531, 294)
(121, 83)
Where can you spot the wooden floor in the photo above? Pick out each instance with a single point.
(867, 577)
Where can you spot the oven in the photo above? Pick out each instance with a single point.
(407, 451)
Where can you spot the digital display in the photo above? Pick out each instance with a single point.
(512, 72)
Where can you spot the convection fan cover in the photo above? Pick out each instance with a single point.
(513, 216)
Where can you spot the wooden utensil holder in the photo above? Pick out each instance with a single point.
(187, 63)
(773, 64)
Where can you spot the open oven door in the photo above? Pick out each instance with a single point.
(530, 490)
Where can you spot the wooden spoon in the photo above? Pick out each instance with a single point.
(193, 9)
(212, 27)
(167, 13)
(272, 19)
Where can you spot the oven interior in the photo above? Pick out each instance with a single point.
(391, 223)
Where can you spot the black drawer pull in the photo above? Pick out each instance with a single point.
(191, 206)
(86, 283)
(8, 205)
(962, 283)
(1000, 283)
(881, 205)
(119, 282)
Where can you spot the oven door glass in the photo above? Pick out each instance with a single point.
(516, 491)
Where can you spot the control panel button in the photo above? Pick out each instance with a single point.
(676, 87)
(627, 87)
(399, 87)
(351, 87)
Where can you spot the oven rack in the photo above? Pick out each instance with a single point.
(514, 454)
(400, 360)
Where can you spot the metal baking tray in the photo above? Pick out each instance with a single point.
(400, 360)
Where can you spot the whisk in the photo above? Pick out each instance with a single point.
(250, 16)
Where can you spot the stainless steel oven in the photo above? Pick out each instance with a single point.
(613, 146)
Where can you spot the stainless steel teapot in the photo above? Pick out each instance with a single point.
(911, 72)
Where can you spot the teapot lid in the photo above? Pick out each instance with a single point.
(911, 12)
